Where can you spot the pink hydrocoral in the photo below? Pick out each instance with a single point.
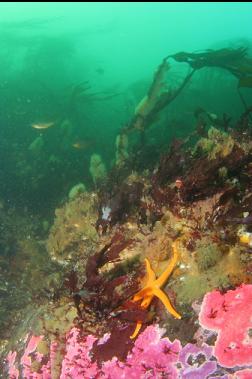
(230, 315)
(30, 356)
(13, 371)
(152, 357)
(77, 361)
(26, 360)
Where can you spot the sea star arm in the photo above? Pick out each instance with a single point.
(150, 273)
(137, 330)
(165, 275)
(144, 304)
(165, 300)
(152, 288)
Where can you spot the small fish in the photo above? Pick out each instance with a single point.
(100, 71)
(82, 145)
(42, 125)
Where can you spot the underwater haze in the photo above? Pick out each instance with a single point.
(114, 48)
(125, 190)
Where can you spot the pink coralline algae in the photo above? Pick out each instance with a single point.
(230, 315)
(30, 358)
(77, 362)
(13, 371)
(196, 363)
(152, 357)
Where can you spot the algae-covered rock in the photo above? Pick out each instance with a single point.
(73, 233)
(207, 255)
(97, 169)
(217, 144)
(76, 190)
(36, 145)
(122, 145)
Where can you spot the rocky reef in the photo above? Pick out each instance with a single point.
(149, 275)
(156, 274)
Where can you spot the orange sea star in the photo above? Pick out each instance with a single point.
(153, 288)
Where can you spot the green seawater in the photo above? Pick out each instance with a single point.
(85, 67)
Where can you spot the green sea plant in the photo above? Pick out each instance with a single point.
(236, 61)
(159, 95)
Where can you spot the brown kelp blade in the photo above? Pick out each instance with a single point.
(245, 82)
(225, 58)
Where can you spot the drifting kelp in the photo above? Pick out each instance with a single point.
(219, 58)
(235, 61)
(158, 97)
